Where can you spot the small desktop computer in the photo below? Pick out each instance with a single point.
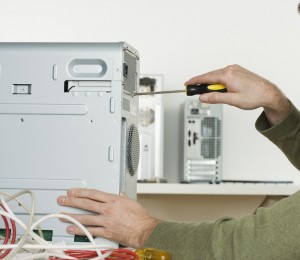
(202, 142)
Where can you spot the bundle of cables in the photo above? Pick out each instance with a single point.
(42, 249)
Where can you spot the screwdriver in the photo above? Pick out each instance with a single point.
(190, 90)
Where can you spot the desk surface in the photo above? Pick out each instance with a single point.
(218, 189)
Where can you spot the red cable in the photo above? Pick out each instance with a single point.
(14, 235)
(78, 254)
(124, 254)
(86, 254)
(6, 231)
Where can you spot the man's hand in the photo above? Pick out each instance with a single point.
(246, 90)
(115, 217)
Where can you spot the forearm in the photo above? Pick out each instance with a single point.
(276, 105)
(285, 135)
(265, 235)
(181, 240)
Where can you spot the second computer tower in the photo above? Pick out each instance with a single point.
(202, 142)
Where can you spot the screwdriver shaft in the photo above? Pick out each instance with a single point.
(158, 92)
(189, 90)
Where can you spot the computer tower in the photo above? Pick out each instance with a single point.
(68, 119)
(202, 146)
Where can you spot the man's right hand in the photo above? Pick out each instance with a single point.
(246, 90)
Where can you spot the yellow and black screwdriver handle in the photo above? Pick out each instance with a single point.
(199, 89)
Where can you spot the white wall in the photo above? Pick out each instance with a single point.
(180, 39)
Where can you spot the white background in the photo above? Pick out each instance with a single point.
(181, 39)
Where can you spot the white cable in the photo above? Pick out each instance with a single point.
(45, 244)
(31, 216)
(53, 246)
(45, 256)
(42, 243)
(18, 221)
(74, 221)
(21, 223)
(13, 197)
(108, 253)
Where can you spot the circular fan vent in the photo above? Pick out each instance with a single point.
(133, 149)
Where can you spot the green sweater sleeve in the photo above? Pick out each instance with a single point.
(272, 233)
(285, 135)
(268, 234)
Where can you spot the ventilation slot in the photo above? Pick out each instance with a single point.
(210, 138)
